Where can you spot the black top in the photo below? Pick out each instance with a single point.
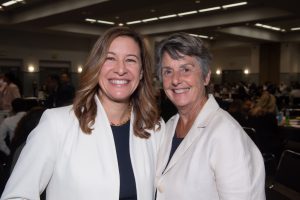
(127, 180)
(175, 143)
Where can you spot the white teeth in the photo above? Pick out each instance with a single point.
(179, 91)
(119, 82)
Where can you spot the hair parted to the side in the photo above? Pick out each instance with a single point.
(142, 100)
(181, 44)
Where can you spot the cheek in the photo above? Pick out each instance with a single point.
(166, 82)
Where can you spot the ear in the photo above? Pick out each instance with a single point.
(207, 78)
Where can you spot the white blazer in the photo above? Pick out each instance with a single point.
(77, 166)
(215, 161)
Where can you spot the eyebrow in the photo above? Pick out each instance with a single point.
(181, 66)
(109, 52)
(165, 67)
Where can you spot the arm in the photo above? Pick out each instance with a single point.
(35, 165)
(15, 93)
(238, 166)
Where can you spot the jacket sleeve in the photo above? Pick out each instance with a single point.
(35, 165)
(237, 165)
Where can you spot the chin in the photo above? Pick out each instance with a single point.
(121, 99)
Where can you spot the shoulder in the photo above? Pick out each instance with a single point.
(158, 133)
(225, 129)
(12, 86)
(225, 120)
(59, 117)
(60, 113)
(173, 120)
(55, 124)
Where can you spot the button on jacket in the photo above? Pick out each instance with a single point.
(77, 166)
(215, 161)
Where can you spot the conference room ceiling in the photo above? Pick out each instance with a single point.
(81, 17)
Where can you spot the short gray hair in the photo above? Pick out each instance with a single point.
(179, 44)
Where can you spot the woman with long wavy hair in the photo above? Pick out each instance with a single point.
(105, 145)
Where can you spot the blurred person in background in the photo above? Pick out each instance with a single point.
(10, 92)
(66, 91)
(9, 124)
(262, 117)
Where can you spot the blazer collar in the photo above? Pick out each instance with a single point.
(202, 120)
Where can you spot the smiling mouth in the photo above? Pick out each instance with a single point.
(118, 82)
(180, 91)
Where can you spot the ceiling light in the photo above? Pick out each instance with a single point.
(167, 16)
(295, 29)
(90, 20)
(234, 5)
(121, 24)
(246, 71)
(150, 19)
(31, 68)
(134, 22)
(276, 28)
(187, 13)
(9, 3)
(79, 69)
(269, 27)
(105, 22)
(201, 36)
(210, 9)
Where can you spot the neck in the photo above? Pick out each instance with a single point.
(118, 113)
(188, 117)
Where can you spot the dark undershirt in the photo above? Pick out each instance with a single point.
(175, 143)
(127, 180)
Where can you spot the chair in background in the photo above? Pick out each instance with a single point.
(269, 158)
(286, 183)
(251, 132)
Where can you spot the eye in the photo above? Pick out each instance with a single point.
(131, 60)
(166, 72)
(110, 58)
(186, 69)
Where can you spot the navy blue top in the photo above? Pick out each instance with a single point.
(175, 143)
(127, 180)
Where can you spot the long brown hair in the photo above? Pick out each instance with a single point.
(142, 100)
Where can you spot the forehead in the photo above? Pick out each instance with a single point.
(124, 43)
(168, 61)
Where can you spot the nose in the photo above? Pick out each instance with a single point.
(121, 68)
(176, 79)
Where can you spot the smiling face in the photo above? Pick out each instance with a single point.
(121, 71)
(183, 81)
